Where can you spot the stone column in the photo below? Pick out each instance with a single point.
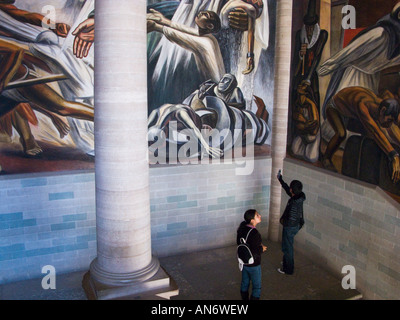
(281, 104)
(124, 265)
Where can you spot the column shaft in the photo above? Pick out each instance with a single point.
(122, 172)
(281, 104)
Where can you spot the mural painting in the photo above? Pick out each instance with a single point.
(46, 85)
(344, 104)
(210, 66)
(210, 76)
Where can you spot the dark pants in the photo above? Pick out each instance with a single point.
(287, 248)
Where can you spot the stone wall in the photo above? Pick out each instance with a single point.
(50, 219)
(197, 207)
(349, 223)
(46, 220)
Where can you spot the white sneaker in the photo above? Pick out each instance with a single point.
(280, 271)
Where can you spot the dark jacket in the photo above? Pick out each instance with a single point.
(254, 241)
(293, 214)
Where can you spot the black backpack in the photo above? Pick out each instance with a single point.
(244, 254)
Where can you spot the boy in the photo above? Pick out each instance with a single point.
(292, 221)
(251, 272)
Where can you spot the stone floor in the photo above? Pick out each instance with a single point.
(209, 275)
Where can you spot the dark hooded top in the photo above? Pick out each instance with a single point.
(294, 209)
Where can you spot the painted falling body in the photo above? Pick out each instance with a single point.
(203, 117)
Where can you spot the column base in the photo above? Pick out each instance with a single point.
(157, 286)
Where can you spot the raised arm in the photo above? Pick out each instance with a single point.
(61, 29)
(284, 184)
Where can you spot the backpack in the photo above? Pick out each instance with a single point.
(244, 254)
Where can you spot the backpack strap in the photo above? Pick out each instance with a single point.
(242, 240)
(248, 234)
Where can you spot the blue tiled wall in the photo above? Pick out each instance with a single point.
(46, 220)
(350, 223)
(200, 207)
(50, 219)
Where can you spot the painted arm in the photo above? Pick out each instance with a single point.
(10, 62)
(84, 38)
(314, 124)
(305, 126)
(365, 45)
(212, 151)
(250, 47)
(394, 133)
(373, 128)
(61, 126)
(237, 99)
(299, 120)
(159, 18)
(61, 29)
(380, 138)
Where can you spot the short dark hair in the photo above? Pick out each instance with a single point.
(392, 107)
(215, 20)
(296, 186)
(249, 215)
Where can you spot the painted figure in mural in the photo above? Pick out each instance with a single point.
(14, 66)
(185, 118)
(359, 64)
(232, 125)
(306, 123)
(379, 117)
(199, 41)
(7, 6)
(58, 54)
(309, 44)
(84, 36)
(253, 8)
(226, 89)
(22, 115)
(174, 66)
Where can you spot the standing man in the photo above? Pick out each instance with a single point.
(251, 273)
(292, 221)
